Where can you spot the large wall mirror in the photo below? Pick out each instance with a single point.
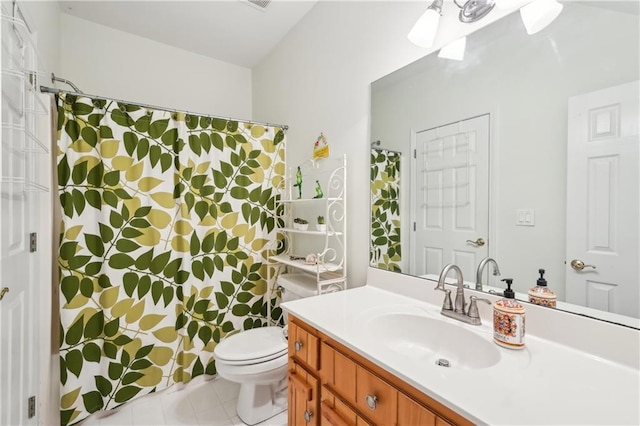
(526, 151)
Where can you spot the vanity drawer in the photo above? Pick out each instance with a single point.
(375, 398)
(304, 345)
(410, 413)
(338, 372)
(369, 394)
(335, 412)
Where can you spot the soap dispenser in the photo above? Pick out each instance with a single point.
(541, 294)
(508, 320)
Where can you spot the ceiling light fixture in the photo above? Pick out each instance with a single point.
(474, 10)
(539, 13)
(454, 50)
(424, 31)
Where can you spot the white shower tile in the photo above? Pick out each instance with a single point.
(235, 421)
(123, 416)
(178, 410)
(195, 404)
(91, 421)
(279, 420)
(214, 416)
(148, 411)
(230, 408)
(203, 397)
(225, 389)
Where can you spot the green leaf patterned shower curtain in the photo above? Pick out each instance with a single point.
(385, 251)
(166, 223)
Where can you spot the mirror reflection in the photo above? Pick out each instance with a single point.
(526, 151)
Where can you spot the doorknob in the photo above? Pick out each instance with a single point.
(478, 243)
(4, 291)
(579, 265)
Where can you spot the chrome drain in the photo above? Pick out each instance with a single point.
(443, 362)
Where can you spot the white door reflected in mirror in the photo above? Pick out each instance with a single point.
(602, 200)
(450, 196)
(525, 82)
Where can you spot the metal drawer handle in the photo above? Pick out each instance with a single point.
(307, 416)
(297, 345)
(372, 401)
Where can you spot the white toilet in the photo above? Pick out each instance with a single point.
(257, 359)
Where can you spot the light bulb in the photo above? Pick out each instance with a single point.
(424, 31)
(538, 14)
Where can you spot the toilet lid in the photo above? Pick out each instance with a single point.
(255, 345)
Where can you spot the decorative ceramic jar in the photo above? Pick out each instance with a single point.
(508, 323)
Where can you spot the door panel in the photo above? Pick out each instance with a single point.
(21, 167)
(603, 227)
(451, 196)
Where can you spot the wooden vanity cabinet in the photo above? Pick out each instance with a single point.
(303, 365)
(343, 388)
(304, 346)
(304, 392)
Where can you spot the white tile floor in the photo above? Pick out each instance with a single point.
(210, 403)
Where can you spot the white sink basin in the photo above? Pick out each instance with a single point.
(425, 339)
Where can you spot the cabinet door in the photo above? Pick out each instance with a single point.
(303, 346)
(339, 372)
(303, 397)
(375, 398)
(410, 413)
(370, 395)
(334, 412)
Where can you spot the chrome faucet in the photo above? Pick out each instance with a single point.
(480, 270)
(456, 310)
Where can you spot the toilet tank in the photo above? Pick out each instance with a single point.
(297, 286)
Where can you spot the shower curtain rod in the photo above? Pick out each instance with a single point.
(55, 91)
(387, 149)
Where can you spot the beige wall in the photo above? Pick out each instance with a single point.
(111, 63)
(318, 78)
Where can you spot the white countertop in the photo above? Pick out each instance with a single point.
(544, 384)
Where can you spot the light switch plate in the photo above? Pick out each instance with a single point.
(525, 217)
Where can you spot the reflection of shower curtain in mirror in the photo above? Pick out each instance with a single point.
(385, 251)
(166, 221)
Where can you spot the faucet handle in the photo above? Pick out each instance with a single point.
(446, 303)
(473, 306)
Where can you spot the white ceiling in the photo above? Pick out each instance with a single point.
(232, 31)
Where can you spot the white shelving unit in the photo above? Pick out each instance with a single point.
(23, 106)
(329, 272)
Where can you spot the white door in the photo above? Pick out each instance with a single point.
(603, 213)
(18, 333)
(20, 197)
(451, 197)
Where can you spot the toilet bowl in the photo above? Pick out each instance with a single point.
(257, 359)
